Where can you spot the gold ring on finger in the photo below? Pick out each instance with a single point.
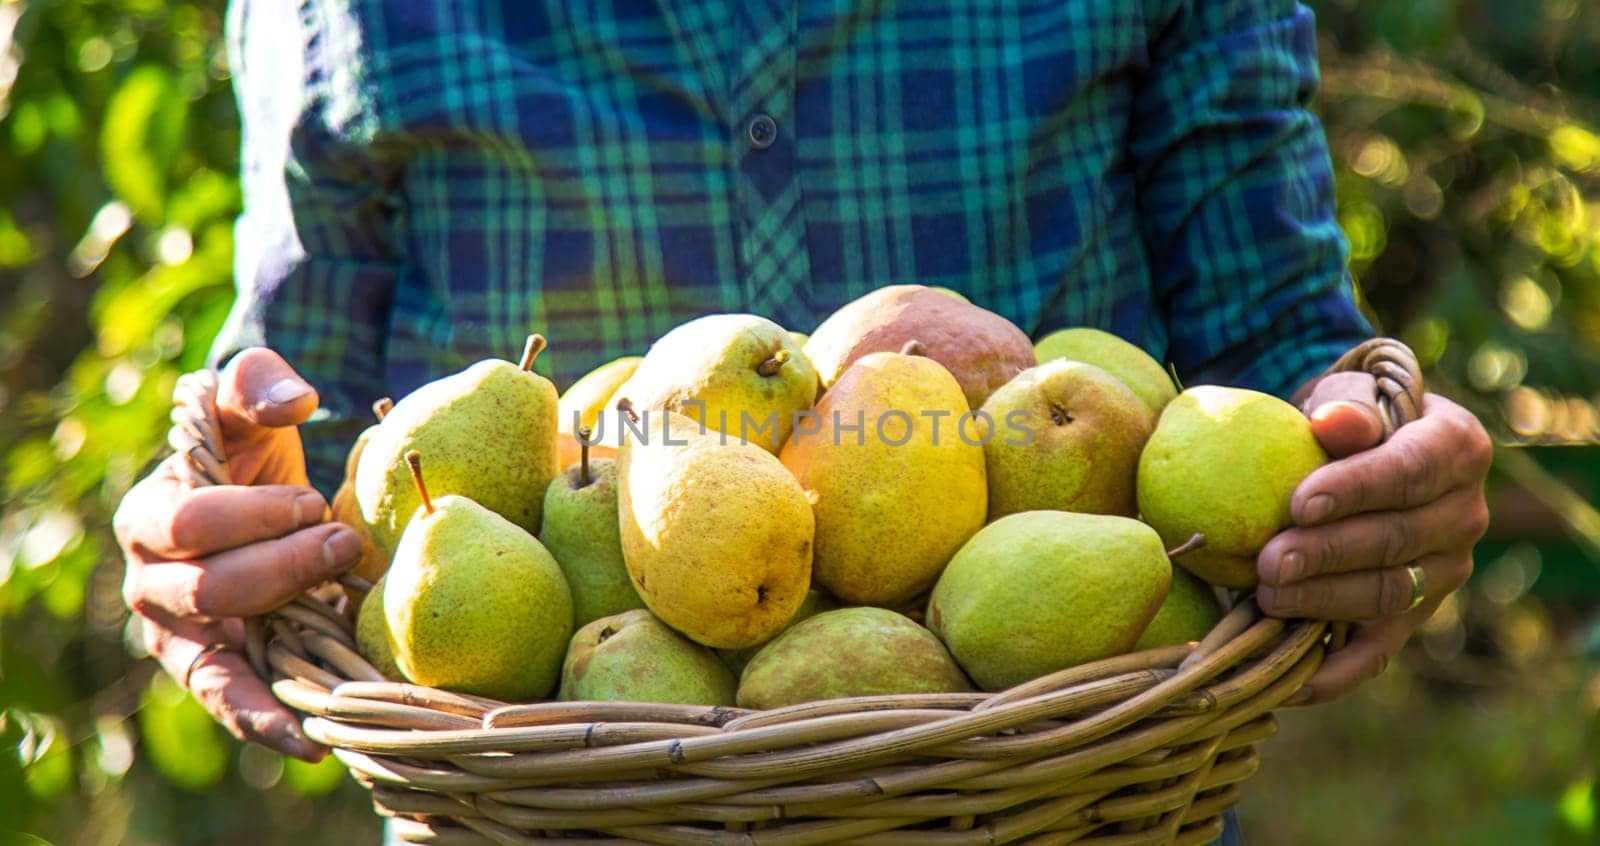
(200, 658)
(1419, 586)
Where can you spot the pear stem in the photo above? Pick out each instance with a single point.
(584, 433)
(530, 351)
(1187, 546)
(914, 347)
(414, 461)
(773, 364)
(382, 407)
(625, 406)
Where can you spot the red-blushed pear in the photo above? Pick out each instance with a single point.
(1223, 462)
(980, 348)
(1066, 437)
(473, 602)
(634, 657)
(1041, 591)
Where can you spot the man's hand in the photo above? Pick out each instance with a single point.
(199, 559)
(1362, 519)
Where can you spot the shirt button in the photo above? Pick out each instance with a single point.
(762, 132)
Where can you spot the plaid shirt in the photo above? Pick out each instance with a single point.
(425, 183)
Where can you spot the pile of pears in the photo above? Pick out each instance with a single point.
(915, 498)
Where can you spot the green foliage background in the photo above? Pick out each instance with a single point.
(1466, 135)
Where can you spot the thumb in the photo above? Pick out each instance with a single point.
(1344, 413)
(259, 388)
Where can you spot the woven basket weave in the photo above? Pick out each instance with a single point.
(1144, 748)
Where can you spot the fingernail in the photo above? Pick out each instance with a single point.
(1299, 697)
(1276, 601)
(310, 508)
(1291, 567)
(1318, 508)
(287, 391)
(341, 548)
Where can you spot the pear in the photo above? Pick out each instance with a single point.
(581, 531)
(373, 563)
(980, 348)
(584, 402)
(1041, 591)
(490, 434)
(849, 652)
(474, 603)
(570, 448)
(1067, 437)
(1223, 463)
(717, 537)
(1143, 375)
(815, 603)
(634, 657)
(373, 639)
(738, 374)
(1188, 613)
(897, 495)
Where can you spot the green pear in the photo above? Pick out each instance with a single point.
(849, 652)
(1041, 591)
(1143, 375)
(474, 603)
(717, 536)
(581, 531)
(1066, 437)
(815, 603)
(1188, 613)
(373, 639)
(739, 374)
(983, 350)
(895, 487)
(489, 432)
(634, 657)
(1223, 462)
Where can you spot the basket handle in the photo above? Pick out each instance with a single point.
(1399, 377)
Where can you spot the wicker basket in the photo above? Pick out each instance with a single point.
(1145, 748)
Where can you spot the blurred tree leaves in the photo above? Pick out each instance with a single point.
(119, 140)
(180, 738)
(141, 139)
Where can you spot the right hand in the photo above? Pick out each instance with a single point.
(199, 560)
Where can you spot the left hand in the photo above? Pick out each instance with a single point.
(1361, 519)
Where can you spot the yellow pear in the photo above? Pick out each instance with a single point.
(740, 374)
(895, 487)
(592, 394)
(716, 536)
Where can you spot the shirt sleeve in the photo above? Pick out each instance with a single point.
(315, 261)
(1236, 196)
